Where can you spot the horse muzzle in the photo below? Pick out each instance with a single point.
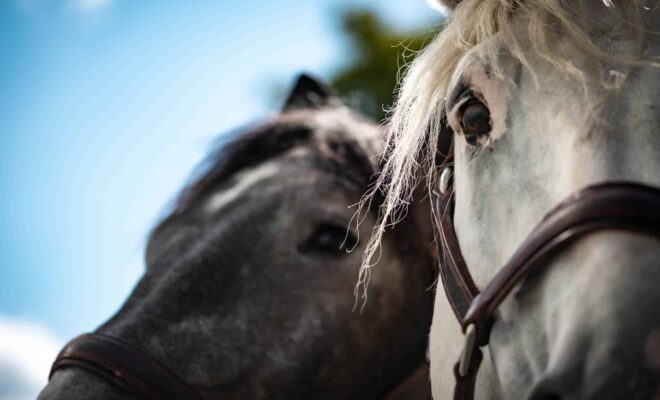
(602, 312)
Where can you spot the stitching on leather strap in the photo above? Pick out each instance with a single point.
(78, 355)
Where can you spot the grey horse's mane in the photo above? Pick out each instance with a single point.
(262, 142)
(245, 149)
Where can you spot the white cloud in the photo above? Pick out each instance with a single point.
(26, 354)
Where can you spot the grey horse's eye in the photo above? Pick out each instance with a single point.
(329, 239)
(475, 121)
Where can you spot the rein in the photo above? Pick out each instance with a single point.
(134, 371)
(626, 206)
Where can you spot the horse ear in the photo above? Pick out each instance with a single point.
(309, 93)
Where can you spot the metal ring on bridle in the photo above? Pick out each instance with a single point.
(445, 179)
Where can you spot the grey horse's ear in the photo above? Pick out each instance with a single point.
(309, 93)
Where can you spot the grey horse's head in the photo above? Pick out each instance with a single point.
(248, 291)
(541, 100)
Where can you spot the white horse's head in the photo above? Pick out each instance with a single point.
(543, 97)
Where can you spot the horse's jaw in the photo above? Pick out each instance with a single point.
(587, 327)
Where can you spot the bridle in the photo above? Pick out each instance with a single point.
(134, 371)
(125, 366)
(605, 206)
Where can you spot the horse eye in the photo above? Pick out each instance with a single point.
(475, 121)
(329, 239)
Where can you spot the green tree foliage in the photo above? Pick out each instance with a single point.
(381, 53)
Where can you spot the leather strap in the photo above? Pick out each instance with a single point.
(136, 372)
(125, 366)
(464, 387)
(455, 276)
(456, 279)
(606, 206)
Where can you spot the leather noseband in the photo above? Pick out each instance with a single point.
(623, 206)
(130, 369)
(125, 366)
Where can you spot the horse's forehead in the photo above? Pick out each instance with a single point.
(301, 165)
(242, 182)
(465, 63)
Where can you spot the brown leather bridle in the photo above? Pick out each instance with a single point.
(134, 371)
(605, 206)
(125, 366)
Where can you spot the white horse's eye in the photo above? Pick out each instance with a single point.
(475, 121)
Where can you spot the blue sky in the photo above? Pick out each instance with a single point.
(107, 105)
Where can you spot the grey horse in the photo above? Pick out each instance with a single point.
(248, 291)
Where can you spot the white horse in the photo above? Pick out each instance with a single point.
(543, 98)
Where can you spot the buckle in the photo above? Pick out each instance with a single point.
(465, 357)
